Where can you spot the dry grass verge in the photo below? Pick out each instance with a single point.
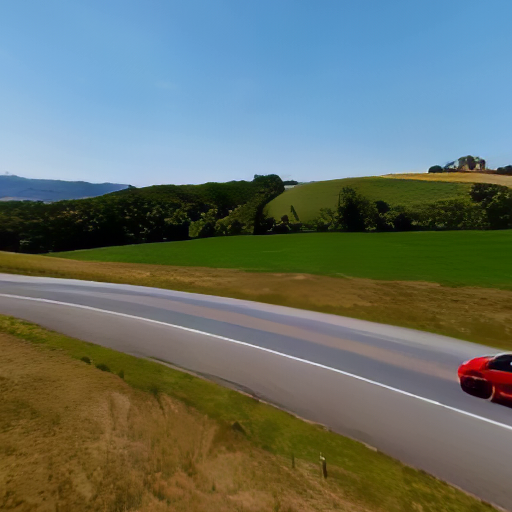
(483, 315)
(74, 438)
(455, 177)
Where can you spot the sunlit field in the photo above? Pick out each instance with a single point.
(455, 177)
(309, 198)
(454, 258)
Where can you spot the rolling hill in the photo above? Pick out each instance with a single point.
(16, 188)
(307, 199)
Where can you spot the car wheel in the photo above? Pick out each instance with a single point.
(477, 387)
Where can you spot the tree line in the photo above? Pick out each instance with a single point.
(470, 162)
(168, 213)
(486, 207)
(134, 216)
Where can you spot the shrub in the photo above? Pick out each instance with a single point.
(499, 211)
(281, 229)
(436, 168)
(120, 374)
(484, 193)
(447, 214)
(382, 207)
(155, 390)
(205, 226)
(402, 221)
(103, 367)
(85, 359)
(356, 212)
(507, 170)
(263, 224)
(238, 428)
(235, 228)
(322, 226)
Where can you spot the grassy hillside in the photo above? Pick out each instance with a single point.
(455, 177)
(155, 439)
(473, 258)
(309, 198)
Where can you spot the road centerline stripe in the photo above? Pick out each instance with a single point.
(268, 350)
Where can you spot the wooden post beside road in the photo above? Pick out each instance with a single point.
(323, 463)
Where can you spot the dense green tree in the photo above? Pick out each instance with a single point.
(132, 216)
(507, 170)
(280, 229)
(499, 212)
(484, 193)
(436, 168)
(401, 221)
(448, 214)
(205, 226)
(470, 160)
(356, 212)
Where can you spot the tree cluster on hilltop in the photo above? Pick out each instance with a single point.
(469, 163)
(464, 163)
(506, 170)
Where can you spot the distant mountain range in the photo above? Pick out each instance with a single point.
(15, 188)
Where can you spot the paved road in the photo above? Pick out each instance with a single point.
(392, 388)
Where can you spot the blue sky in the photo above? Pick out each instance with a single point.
(153, 91)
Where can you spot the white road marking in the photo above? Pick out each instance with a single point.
(270, 351)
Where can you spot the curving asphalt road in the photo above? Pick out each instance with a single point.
(395, 389)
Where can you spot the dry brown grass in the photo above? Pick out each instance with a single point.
(482, 315)
(73, 438)
(458, 177)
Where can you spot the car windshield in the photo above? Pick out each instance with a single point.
(501, 362)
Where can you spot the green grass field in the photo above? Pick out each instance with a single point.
(308, 199)
(455, 258)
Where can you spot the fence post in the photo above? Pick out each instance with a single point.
(323, 463)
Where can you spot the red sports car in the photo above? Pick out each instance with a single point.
(488, 377)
